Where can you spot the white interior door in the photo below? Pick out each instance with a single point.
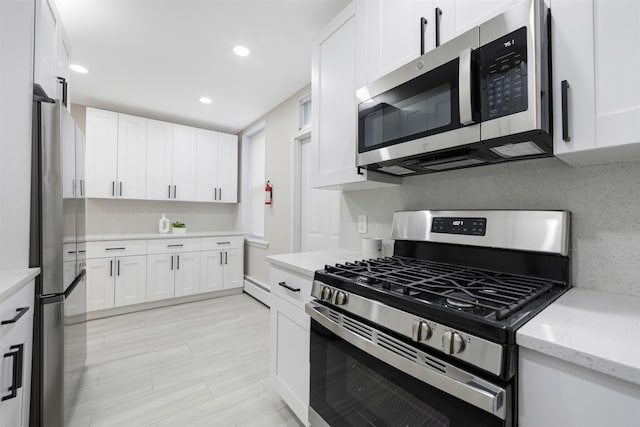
(319, 209)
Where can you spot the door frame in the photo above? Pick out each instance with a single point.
(296, 190)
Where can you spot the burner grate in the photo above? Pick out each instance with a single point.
(473, 290)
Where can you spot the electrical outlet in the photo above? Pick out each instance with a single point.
(362, 224)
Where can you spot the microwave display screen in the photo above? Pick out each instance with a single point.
(504, 75)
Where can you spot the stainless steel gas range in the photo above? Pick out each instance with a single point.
(426, 337)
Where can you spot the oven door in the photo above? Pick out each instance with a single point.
(361, 376)
(424, 106)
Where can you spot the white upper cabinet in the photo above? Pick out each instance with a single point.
(184, 163)
(617, 56)
(396, 32)
(217, 167)
(333, 86)
(81, 150)
(116, 155)
(45, 46)
(52, 50)
(159, 160)
(102, 153)
(132, 157)
(207, 162)
(227, 168)
(596, 89)
(458, 16)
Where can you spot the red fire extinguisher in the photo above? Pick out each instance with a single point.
(268, 193)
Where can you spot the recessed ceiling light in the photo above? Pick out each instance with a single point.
(78, 68)
(241, 51)
(205, 100)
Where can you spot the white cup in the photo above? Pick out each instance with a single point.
(371, 247)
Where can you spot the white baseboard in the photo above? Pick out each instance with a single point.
(258, 290)
(160, 303)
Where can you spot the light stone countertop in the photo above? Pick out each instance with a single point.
(308, 262)
(13, 280)
(151, 236)
(594, 329)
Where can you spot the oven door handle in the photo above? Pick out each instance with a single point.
(449, 379)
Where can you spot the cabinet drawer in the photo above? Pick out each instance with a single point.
(165, 246)
(224, 242)
(291, 286)
(23, 297)
(116, 248)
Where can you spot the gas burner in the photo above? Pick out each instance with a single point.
(368, 280)
(461, 301)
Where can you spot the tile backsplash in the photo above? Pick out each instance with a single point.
(604, 201)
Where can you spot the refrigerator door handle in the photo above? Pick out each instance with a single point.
(61, 296)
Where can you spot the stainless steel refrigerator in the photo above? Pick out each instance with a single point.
(57, 247)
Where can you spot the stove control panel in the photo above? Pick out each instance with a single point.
(467, 226)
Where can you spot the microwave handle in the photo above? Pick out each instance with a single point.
(464, 88)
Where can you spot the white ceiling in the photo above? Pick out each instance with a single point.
(156, 58)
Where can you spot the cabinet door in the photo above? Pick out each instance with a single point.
(617, 59)
(233, 268)
(393, 31)
(211, 271)
(228, 168)
(131, 280)
(207, 162)
(132, 157)
(102, 153)
(187, 273)
(184, 163)
(70, 184)
(63, 57)
(45, 46)
(159, 160)
(100, 283)
(573, 61)
(470, 13)
(81, 149)
(160, 276)
(15, 348)
(290, 355)
(334, 110)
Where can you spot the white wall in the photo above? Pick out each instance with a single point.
(107, 216)
(604, 201)
(281, 126)
(16, 94)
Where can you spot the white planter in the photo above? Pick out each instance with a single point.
(179, 230)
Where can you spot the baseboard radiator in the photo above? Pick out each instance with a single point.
(258, 290)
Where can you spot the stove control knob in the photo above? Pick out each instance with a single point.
(420, 331)
(452, 342)
(341, 298)
(326, 294)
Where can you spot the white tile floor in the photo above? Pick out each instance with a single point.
(198, 364)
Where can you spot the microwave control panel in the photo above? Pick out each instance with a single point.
(467, 226)
(504, 75)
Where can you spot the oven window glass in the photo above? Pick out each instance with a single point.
(351, 388)
(426, 105)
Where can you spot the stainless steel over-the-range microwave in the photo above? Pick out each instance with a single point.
(481, 98)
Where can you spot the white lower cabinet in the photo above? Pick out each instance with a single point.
(160, 278)
(15, 352)
(100, 289)
(221, 269)
(173, 275)
(130, 280)
(187, 274)
(115, 282)
(556, 393)
(290, 328)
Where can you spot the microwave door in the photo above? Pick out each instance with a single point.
(422, 107)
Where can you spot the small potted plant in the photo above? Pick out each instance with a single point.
(178, 227)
